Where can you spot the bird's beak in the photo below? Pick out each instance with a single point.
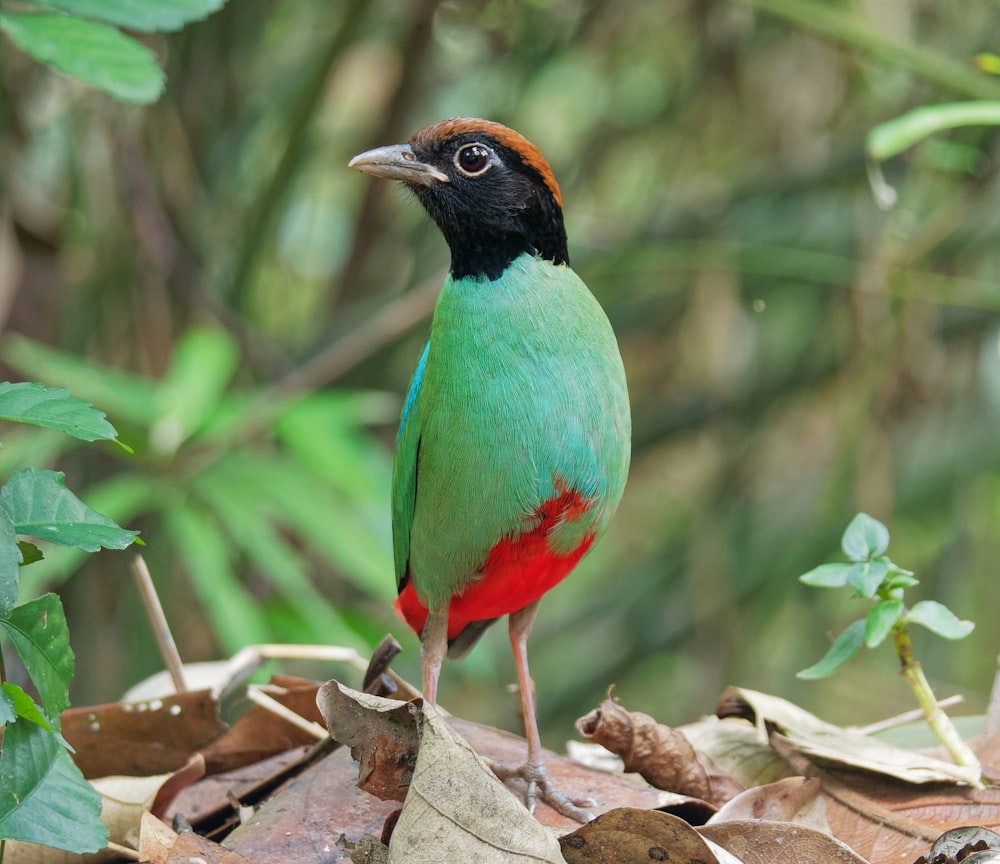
(398, 162)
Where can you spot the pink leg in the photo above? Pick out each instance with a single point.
(533, 772)
(433, 648)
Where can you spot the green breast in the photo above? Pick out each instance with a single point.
(523, 394)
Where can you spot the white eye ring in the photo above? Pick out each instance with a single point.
(474, 159)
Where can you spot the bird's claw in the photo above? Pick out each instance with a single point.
(537, 786)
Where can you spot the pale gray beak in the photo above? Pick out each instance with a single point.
(398, 162)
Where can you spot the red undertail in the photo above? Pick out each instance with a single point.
(517, 572)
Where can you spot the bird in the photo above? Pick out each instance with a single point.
(514, 439)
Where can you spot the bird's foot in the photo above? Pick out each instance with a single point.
(535, 785)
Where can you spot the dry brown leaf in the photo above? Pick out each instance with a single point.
(763, 842)
(142, 738)
(819, 740)
(793, 799)
(381, 734)
(661, 755)
(630, 836)
(259, 734)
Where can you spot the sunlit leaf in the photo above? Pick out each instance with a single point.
(53, 408)
(865, 537)
(43, 796)
(148, 15)
(827, 576)
(939, 619)
(880, 621)
(95, 53)
(844, 647)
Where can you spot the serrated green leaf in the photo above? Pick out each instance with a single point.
(53, 408)
(41, 637)
(95, 53)
(939, 619)
(40, 505)
(844, 647)
(145, 15)
(44, 797)
(827, 576)
(881, 620)
(864, 538)
(865, 577)
(10, 561)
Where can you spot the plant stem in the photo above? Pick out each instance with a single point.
(940, 723)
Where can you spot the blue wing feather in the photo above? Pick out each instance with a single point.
(404, 471)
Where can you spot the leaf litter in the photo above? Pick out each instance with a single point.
(762, 781)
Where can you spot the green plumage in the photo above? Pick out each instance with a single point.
(520, 396)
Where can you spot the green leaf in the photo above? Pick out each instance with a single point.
(844, 647)
(939, 619)
(30, 553)
(827, 576)
(53, 408)
(8, 712)
(10, 560)
(146, 15)
(865, 537)
(40, 635)
(203, 362)
(24, 707)
(895, 136)
(865, 577)
(92, 52)
(43, 796)
(41, 506)
(881, 620)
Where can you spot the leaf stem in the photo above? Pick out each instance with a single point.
(940, 723)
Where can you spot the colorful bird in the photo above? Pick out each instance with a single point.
(514, 442)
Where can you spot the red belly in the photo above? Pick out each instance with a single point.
(516, 573)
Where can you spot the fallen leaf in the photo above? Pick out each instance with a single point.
(381, 734)
(661, 755)
(820, 740)
(732, 747)
(630, 836)
(142, 738)
(763, 842)
(969, 843)
(457, 810)
(793, 799)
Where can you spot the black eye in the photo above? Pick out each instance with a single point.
(473, 159)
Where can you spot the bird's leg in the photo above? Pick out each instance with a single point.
(433, 648)
(533, 771)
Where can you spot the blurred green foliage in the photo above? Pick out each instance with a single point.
(248, 312)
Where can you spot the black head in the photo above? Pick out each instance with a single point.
(489, 189)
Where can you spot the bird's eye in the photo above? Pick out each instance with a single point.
(473, 159)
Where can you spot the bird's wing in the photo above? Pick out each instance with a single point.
(404, 472)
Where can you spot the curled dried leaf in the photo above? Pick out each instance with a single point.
(663, 756)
